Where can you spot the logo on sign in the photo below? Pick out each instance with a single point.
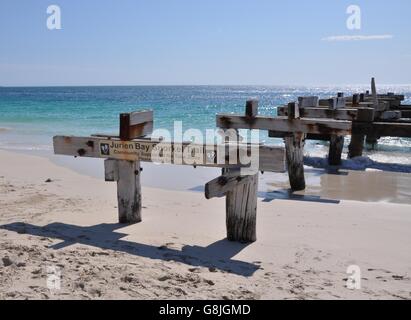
(105, 149)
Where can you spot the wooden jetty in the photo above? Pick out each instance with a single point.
(125, 152)
(372, 115)
(362, 115)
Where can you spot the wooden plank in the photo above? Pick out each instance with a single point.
(241, 211)
(294, 147)
(227, 182)
(308, 102)
(283, 124)
(111, 170)
(129, 191)
(388, 129)
(271, 158)
(140, 117)
(337, 114)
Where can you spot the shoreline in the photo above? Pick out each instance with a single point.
(179, 251)
(361, 179)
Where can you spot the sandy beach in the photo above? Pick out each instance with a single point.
(306, 241)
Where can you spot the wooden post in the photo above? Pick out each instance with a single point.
(336, 148)
(241, 211)
(294, 150)
(129, 191)
(251, 108)
(374, 93)
(356, 147)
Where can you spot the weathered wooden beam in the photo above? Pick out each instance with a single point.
(308, 102)
(136, 124)
(271, 158)
(309, 136)
(356, 146)
(241, 211)
(283, 124)
(227, 182)
(391, 115)
(335, 151)
(337, 114)
(386, 129)
(294, 148)
(129, 191)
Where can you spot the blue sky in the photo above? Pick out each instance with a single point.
(154, 42)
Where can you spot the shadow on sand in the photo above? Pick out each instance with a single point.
(217, 255)
(288, 194)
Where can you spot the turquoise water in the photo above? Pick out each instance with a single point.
(31, 116)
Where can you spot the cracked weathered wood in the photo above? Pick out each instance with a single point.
(241, 211)
(227, 182)
(356, 147)
(129, 191)
(283, 124)
(271, 158)
(335, 151)
(294, 150)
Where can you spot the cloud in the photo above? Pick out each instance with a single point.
(358, 38)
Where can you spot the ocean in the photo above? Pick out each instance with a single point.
(30, 117)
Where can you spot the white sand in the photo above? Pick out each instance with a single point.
(179, 251)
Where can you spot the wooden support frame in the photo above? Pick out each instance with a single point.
(271, 158)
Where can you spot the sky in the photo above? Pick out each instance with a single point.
(198, 42)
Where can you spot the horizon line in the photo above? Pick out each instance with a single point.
(202, 85)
